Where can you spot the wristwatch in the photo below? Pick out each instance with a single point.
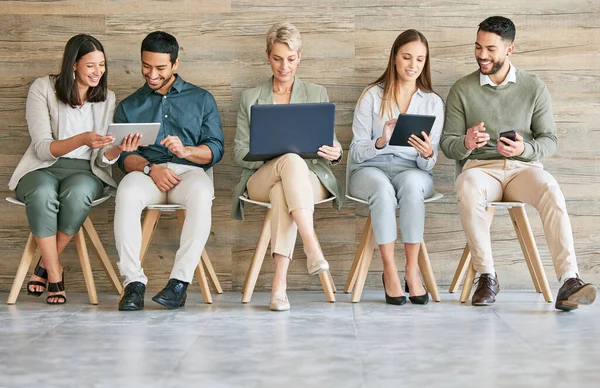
(148, 168)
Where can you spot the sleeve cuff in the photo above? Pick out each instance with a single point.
(109, 162)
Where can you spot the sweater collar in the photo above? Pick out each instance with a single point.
(510, 77)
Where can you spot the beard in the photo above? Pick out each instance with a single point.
(496, 66)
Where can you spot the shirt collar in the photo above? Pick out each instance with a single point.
(510, 77)
(177, 86)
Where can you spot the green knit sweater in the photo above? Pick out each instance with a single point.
(523, 106)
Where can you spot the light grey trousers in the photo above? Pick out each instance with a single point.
(388, 182)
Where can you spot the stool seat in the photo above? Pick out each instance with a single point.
(261, 250)
(30, 252)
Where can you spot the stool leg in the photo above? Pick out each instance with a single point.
(148, 227)
(536, 261)
(468, 284)
(334, 288)
(211, 273)
(534, 278)
(461, 269)
(360, 251)
(84, 259)
(328, 286)
(203, 284)
(24, 265)
(363, 268)
(427, 272)
(104, 260)
(257, 259)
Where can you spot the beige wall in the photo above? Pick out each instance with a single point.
(346, 44)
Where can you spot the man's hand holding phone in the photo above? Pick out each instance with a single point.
(510, 144)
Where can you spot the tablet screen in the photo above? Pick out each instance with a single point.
(408, 124)
(149, 131)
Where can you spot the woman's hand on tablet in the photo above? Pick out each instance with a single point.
(423, 147)
(130, 143)
(94, 140)
(330, 153)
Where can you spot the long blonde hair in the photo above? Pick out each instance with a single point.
(388, 81)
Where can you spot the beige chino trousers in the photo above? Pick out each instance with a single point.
(288, 184)
(484, 181)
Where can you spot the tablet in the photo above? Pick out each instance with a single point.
(149, 131)
(407, 125)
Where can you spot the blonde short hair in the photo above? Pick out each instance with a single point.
(286, 33)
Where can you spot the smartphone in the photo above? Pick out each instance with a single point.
(512, 135)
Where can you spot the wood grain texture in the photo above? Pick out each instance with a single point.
(346, 46)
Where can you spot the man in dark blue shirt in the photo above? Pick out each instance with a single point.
(172, 170)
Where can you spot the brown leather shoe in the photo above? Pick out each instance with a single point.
(573, 293)
(487, 289)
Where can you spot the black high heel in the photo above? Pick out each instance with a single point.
(40, 272)
(418, 299)
(57, 287)
(395, 300)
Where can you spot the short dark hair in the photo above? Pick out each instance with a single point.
(499, 25)
(65, 85)
(161, 42)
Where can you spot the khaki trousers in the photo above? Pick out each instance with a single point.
(484, 181)
(135, 192)
(288, 185)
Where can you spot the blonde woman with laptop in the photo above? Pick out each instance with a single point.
(390, 176)
(291, 184)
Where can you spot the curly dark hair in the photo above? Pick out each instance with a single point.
(499, 25)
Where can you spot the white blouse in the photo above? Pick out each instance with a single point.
(79, 120)
(367, 127)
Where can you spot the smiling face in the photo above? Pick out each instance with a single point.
(491, 52)
(284, 62)
(158, 71)
(410, 60)
(89, 69)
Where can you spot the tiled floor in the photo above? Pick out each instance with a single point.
(519, 342)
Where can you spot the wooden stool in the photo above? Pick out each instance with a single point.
(520, 222)
(30, 252)
(261, 250)
(153, 213)
(362, 259)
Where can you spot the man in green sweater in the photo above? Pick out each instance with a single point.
(494, 99)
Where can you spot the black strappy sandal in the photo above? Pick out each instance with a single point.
(57, 287)
(40, 273)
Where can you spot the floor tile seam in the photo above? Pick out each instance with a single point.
(47, 329)
(534, 350)
(184, 353)
(363, 375)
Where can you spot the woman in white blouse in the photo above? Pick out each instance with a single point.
(394, 176)
(67, 164)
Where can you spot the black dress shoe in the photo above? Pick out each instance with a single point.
(417, 299)
(133, 297)
(173, 295)
(573, 293)
(487, 289)
(395, 300)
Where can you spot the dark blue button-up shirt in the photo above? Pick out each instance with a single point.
(186, 111)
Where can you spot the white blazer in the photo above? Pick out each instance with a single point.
(46, 119)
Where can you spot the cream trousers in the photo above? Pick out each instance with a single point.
(288, 184)
(484, 181)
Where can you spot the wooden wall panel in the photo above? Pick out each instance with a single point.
(346, 46)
